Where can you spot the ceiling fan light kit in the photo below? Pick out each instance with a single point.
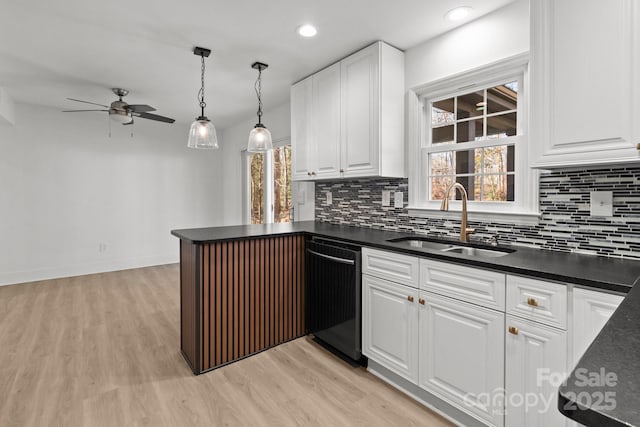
(202, 133)
(259, 137)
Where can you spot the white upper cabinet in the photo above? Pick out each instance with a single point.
(325, 124)
(585, 76)
(352, 123)
(301, 128)
(315, 125)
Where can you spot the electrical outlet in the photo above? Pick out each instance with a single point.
(386, 198)
(398, 200)
(601, 203)
(329, 197)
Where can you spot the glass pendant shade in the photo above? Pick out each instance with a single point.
(259, 140)
(202, 134)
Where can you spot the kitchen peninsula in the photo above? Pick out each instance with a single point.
(242, 287)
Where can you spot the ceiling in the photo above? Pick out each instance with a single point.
(80, 48)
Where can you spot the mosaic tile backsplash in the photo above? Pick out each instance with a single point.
(565, 223)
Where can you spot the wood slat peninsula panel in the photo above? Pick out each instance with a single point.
(239, 298)
(189, 311)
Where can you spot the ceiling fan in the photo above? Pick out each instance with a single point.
(123, 112)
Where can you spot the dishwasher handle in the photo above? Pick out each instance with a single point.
(332, 258)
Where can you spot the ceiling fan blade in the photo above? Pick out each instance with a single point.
(87, 102)
(155, 117)
(76, 111)
(139, 108)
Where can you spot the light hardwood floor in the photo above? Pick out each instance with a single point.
(103, 350)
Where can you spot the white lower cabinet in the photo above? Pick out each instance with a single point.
(535, 364)
(497, 356)
(462, 355)
(390, 326)
(591, 310)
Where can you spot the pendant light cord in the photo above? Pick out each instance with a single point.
(258, 88)
(201, 91)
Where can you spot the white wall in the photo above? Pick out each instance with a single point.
(495, 36)
(66, 188)
(234, 140)
(7, 108)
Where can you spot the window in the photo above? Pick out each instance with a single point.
(471, 144)
(474, 131)
(269, 192)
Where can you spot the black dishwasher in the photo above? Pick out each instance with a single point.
(333, 295)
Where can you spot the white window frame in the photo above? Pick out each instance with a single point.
(525, 206)
(268, 183)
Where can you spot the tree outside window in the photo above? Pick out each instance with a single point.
(275, 183)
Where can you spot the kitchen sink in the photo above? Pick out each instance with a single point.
(417, 242)
(476, 252)
(470, 251)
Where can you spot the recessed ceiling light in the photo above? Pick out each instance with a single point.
(458, 13)
(307, 30)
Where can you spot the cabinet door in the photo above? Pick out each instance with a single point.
(390, 326)
(591, 310)
(360, 88)
(584, 82)
(462, 355)
(535, 365)
(301, 142)
(326, 123)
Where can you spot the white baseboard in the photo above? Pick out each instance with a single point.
(80, 269)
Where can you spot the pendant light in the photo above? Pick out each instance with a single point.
(259, 137)
(202, 133)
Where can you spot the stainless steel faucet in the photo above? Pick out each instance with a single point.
(464, 230)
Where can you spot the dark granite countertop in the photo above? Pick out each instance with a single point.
(616, 349)
(592, 271)
(614, 357)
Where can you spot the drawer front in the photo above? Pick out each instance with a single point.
(474, 285)
(392, 266)
(544, 302)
